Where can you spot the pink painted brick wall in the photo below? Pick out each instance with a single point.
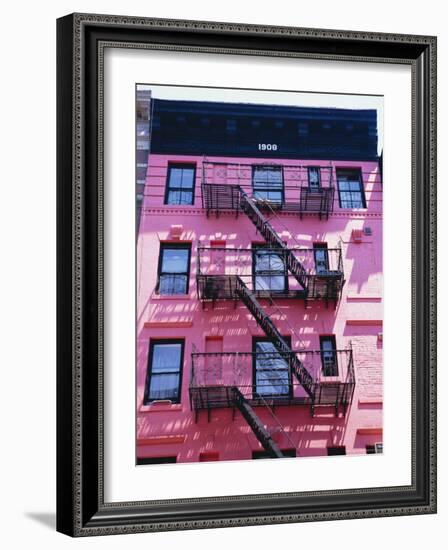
(356, 320)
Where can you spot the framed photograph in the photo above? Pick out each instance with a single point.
(246, 273)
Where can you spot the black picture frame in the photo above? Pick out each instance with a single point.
(81, 509)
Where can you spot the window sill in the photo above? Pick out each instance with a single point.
(160, 407)
(171, 297)
(186, 206)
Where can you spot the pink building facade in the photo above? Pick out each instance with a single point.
(259, 307)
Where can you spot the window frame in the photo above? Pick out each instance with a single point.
(310, 187)
(373, 448)
(156, 460)
(255, 393)
(332, 338)
(177, 245)
(361, 188)
(182, 165)
(260, 246)
(149, 374)
(278, 167)
(336, 450)
(319, 247)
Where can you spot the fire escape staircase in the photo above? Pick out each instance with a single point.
(251, 210)
(303, 376)
(236, 198)
(263, 436)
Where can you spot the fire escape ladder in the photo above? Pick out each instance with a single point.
(303, 376)
(271, 237)
(261, 433)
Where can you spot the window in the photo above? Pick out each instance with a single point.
(174, 266)
(267, 182)
(377, 448)
(314, 178)
(164, 370)
(351, 189)
(157, 460)
(256, 455)
(333, 451)
(269, 270)
(180, 186)
(328, 356)
(321, 258)
(272, 376)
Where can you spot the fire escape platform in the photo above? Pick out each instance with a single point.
(216, 376)
(334, 394)
(223, 287)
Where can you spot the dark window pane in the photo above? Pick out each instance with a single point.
(180, 197)
(187, 178)
(357, 200)
(164, 371)
(181, 177)
(180, 185)
(321, 258)
(174, 197)
(175, 260)
(164, 386)
(273, 196)
(332, 451)
(166, 357)
(351, 193)
(173, 270)
(172, 284)
(272, 371)
(186, 197)
(268, 183)
(275, 282)
(175, 177)
(270, 271)
(328, 356)
(313, 178)
(268, 175)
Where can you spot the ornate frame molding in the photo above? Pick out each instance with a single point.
(82, 39)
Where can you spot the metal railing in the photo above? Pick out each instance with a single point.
(223, 185)
(293, 176)
(265, 273)
(242, 261)
(267, 377)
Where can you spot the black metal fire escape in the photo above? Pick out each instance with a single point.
(249, 207)
(233, 197)
(263, 436)
(263, 320)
